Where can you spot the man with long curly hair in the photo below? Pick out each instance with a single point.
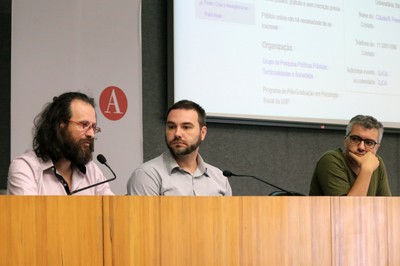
(61, 159)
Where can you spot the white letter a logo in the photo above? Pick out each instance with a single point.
(113, 101)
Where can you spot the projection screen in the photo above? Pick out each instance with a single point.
(307, 63)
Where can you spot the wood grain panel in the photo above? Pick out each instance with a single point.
(393, 212)
(200, 230)
(131, 230)
(360, 231)
(286, 231)
(245, 231)
(51, 230)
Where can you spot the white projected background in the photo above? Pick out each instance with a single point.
(297, 61)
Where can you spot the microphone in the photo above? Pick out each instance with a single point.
(102, 160)
(228, 173)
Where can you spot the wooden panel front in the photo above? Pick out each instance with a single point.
(218, 230)
(285, 231)
(131, 230)
(360, 231)
(40, 230)
(393, 212)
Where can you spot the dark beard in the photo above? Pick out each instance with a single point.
(186, 151)
(74, 151)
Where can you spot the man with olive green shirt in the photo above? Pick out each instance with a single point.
(357, 170)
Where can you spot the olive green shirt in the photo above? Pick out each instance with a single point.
(334, 177)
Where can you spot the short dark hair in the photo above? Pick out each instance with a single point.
(47, 140)
(189, 105)
(367, 122)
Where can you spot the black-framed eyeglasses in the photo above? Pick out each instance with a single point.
(86, 126)
(369, 143)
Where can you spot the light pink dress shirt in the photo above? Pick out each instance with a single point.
(30, 175)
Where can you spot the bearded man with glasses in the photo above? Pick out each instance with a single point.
(357, 170)
(60, 162)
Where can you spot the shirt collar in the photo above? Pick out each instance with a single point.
(81, 168)
(171, 163)
(46, 165)
(50, 165)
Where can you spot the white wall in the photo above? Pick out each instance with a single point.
(79, 45)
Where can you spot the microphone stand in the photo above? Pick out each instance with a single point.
(228, 173)
(102, 160)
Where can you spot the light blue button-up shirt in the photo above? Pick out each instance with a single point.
(163, 176)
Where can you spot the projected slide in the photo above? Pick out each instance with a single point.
(297, 61)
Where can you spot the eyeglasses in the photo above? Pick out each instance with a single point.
(369, 143)
(86, 126)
